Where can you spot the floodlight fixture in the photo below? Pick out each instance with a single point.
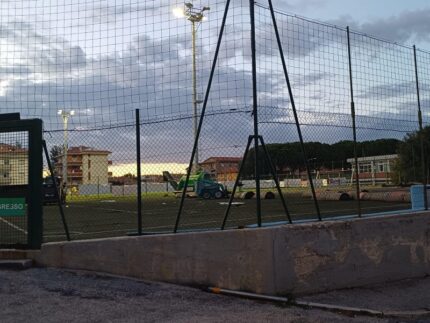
(195, 15)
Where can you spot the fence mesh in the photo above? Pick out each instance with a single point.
(103, 60)
(14, 172)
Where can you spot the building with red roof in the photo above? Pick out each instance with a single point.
(223, 168)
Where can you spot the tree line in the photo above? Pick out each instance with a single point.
(408, 168)
(289, 157)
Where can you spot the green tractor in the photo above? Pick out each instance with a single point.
(200, 184)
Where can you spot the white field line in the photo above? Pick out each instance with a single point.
(107, 209)
(106, 231)
(60, 234)
(13, 225)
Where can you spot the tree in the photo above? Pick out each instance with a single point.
(409, 166)
(54, 152)
(288, 156)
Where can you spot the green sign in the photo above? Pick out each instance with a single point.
(12, 206)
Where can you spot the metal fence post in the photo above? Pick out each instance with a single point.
(202, 115)
(57, 189)
(293, 107)
(354, 129)
(255, 111)
(420, 123)
(35, 219)
(139, 175)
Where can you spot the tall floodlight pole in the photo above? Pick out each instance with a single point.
(65, 115)
(195, 16)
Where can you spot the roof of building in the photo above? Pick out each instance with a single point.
(373, 158)
(222, 160)
(84, 150)
(6, 148)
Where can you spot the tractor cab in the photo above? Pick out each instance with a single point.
(201, 184)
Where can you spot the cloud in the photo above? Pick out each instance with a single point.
(408, 26)
(19, 70)
(298, 37)
(388, 90)
(152, 71)
(148, 50)
(107, 13)
(298, 5)
(27, 49)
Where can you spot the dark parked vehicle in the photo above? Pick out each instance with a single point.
(49, 191)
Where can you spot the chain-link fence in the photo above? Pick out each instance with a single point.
(85, 68)
(14, 172)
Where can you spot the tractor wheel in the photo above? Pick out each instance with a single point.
(206, 195)
(218, 194)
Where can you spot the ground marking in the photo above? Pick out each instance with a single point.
(60, 234)
(13, 225)
(107, 209)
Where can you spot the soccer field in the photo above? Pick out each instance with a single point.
(109, 217)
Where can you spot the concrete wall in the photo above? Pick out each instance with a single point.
(94, 189)
(302, 258)
(293, 182)
(147, 187)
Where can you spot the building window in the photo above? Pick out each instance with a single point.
(89, 176)
(365, 168)
(89, 163)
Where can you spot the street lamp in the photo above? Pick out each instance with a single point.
(65, 115)
(195, 16)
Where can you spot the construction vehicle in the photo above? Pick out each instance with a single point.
(200, 185)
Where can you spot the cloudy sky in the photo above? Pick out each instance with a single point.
(397, 20)
(106, 58)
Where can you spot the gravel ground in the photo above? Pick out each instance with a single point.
(50, 295)
(404, 295)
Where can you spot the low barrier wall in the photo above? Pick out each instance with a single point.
(300, 258)
(94, 189)
(126, 190)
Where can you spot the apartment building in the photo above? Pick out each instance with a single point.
(85, 165)
(13, 165)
